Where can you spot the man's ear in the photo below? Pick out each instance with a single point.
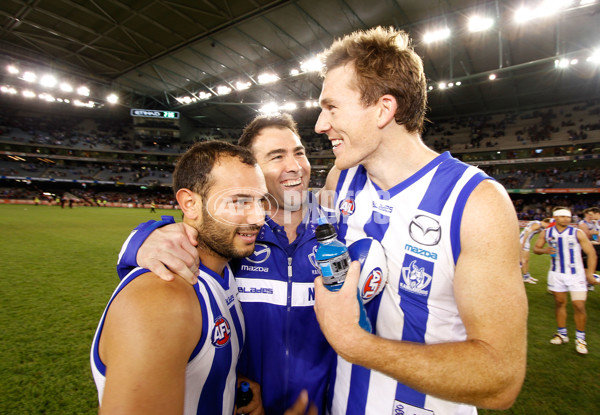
(189, 202)
(387, 106)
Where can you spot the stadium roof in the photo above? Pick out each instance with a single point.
(152, 52)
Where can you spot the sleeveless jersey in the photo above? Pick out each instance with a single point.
(531, 234)
(418, 223)
(210, 377)
(568, 251)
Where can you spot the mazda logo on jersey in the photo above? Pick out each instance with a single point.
(347, 206)
(261, 254)
(425, 230)
(221, 332)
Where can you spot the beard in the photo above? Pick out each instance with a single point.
(219, 238)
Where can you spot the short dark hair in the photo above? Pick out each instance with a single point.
(592, 210)
(193, 169)
(259, 123)
(385, 62)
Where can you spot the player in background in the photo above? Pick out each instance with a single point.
(567, 274)
(171, 347)
(589, 223)
(533, 228)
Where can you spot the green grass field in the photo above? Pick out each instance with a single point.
(58, 268)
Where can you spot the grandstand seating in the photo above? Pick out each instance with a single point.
(98, 151)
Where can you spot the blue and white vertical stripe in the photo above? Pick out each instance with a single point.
(211, 370)
(418, 224)
(568, 251)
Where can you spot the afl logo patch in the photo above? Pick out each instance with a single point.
(425, 230)
(372, 283)
(221, 333)
(347, 207)
(261, 253)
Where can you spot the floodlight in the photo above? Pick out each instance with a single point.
(311, 65)
(112, 99)
(8, 90)
(437, 35)
(204, 95)
(29, 77)
(478, 23)
(48, 81)
(430, 87)
(12, 69)
(270, 108)
(492, 76)
(289, 106)
(294, 72)
(442, 85)
(240, 86)
(83, 91)
(223, 90)
(574, 61)
(594, 57)
(267, 78)
(79, 103)
(458, 83)
(450, 84)
(46, 97)
(65, 87)
(28, 94)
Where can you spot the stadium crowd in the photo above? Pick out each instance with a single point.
(119, 164)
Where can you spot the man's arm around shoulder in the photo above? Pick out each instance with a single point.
(150, 331)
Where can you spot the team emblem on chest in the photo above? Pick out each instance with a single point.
(221, 332)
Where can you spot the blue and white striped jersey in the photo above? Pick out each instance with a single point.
(568, 251)
(528, 229)
(210, 380)
(418, 223)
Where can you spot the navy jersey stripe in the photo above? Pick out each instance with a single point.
(217, 377)
(359, 381)
(356, 186)
(459, 208)
(203, 335)
(442, 185)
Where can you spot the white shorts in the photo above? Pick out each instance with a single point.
(561, 283)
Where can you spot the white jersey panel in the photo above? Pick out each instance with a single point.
(568, 258)
(211, 370)
(418, 225)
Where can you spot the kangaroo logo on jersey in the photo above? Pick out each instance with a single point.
(372, 283)
(261, 253)
(425, 230)
(416, 275)
(347, 206)
(221, 332)
(312, 257)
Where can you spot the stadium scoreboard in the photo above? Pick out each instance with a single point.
(172, 115)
